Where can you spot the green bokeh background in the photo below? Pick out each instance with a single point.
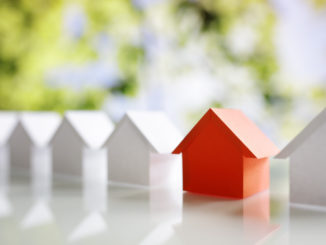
(33, 42)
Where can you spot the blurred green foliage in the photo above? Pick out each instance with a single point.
(319, 3)
(129, 58)
(32, 42)
(217, 20)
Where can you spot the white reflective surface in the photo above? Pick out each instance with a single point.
(92, 212)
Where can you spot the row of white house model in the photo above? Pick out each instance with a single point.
(85, 141)
(138, 150)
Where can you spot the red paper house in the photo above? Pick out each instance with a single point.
(226, 154)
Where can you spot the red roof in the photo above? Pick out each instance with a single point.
(249, 135)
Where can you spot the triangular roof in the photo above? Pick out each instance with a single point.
(8, 121)
(315, 124)
(248, 134)
(40, 126)
(156, 128)
(93, 127)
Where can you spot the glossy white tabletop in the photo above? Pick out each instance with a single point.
(70, 212)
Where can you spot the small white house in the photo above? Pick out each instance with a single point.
(30, 142)
(78, 144)
(307, 154)
(8, 122)
(139, 149)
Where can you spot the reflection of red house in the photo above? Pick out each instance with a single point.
(225, 221)
(226, 154)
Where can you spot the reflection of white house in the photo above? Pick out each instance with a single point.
(307, 163)
(78, 144)
(95, 204)
(139, 149)
(30, 140)
(40, 219)
(93, 224)
(5, 205)
(38, 215)
(8, 121)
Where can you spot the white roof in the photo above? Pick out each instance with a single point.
(315, 124)
(157, 129)
(40, 126)
(94, 127)
(8, 121)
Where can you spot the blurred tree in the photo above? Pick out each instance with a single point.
(33, 41)
(220, 20)
(38, 36)
(319, 3)
(43, 42)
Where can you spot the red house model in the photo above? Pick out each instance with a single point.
(226, 154)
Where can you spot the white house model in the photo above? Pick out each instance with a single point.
(307, 156)
(30, 142)
(78, 144)
(8, 122)
(139, 149)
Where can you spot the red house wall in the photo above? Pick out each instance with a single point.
(255, 175)
(213, 164)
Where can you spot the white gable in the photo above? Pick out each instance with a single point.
(8, 121)
(94, 127)
(40, 126)
(157, 129)
(312, 127)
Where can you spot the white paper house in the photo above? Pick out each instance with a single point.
(307, 154)
(139, 149)
(8, 122)
(78, 144)
(30, 141)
